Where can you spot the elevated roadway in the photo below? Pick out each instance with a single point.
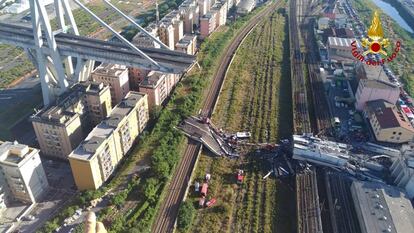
(98, 50)
(202, 132)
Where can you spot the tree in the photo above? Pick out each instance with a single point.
(119, 198)
(50, 226)
(185, 215)
(150, 189)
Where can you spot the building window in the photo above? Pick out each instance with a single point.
(392, 137)
(399, 133)
(394, 132)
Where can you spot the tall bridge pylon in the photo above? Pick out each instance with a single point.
(63, 57)
(55, 72)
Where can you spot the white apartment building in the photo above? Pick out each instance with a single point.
(22, 175)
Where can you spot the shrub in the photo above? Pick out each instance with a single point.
(185, 215)
(150, 189)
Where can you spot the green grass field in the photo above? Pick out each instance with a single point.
(255, 97)
(256, 94)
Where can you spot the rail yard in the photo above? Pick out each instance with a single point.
(302, 122)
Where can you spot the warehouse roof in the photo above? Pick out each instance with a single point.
(342, 42)
(382, 208)
(246, 4)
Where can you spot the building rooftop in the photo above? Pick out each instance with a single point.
(113, 70)
(384, 208)
(373, 72)
(88, 147)
(388, 115)
(141, 39)
(173, 15)
(246, 4)
(152, 80)
(337, 33)
(208, 15)
(219, 5)
(93, 88)
(186, 40)
(103, 130)
(342, 42)
(57, 113)
(54, 114)
(378, 84)
(12, 153)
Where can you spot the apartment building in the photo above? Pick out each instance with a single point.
(189, 12)
(116, 76)
(57, 131)
(61, 127)
(204, 6)
(22, 176)
(229, 4)
(94, 160)
(166, 34)
(221, 13)
(157, 86)
(388, 123)
(174, 18)
(136, 76)
(188, 44)
(207, 24)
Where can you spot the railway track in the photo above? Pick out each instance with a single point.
(169, 208)
(320, 103)
(302, 122)
(307, 199)
(301, 119)
(345, 220)
(168, 212)
(322, 113)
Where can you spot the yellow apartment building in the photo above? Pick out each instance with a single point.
(94, 160)
(60, 128)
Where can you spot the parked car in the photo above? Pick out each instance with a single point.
(28, 218)
(196, 187)
(211, 202)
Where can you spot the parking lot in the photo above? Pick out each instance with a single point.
(59, 174)
(350, 126)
